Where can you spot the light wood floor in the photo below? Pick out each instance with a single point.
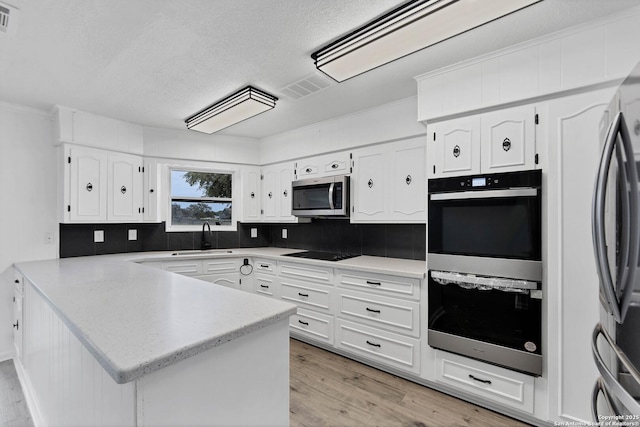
(330, 390)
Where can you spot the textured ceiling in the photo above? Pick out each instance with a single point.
(157, 62)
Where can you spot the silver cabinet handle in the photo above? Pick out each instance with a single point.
(610, 382)
(630, 244)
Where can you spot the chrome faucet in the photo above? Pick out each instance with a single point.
(206, 238)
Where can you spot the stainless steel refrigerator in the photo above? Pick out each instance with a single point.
(616, 240)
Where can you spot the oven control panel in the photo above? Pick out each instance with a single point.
(529, 178)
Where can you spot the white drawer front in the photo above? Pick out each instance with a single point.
(389, 313)
(307, 272)
(385, 347)
(385, 285)
(265, 266)
(492, 382)
(266, 285)
(215, 266)
(186, 267)
(230, 280)
(306, 294)
(313, 325)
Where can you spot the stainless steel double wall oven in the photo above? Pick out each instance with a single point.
(485, 268)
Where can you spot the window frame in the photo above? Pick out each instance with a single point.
(170, 227)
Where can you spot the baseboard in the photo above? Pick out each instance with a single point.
(7, 355)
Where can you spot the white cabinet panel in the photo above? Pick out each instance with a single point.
(453, 147)
(508, 140)
(251, 194)
(87, 184)
(314, 325)
(408, 181)
(368, 183)
(325, 165)
(497, 384)
(306, 294)
(125, 188)
(150, 190)
(276, 193)
(388, 182)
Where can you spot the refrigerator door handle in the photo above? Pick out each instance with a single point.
(618, 304)
(598, 220)
(610, 382)
(631, 261)
(601, 388)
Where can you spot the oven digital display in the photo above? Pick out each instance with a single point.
(479, 182)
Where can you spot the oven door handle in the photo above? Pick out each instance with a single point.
(486, 194)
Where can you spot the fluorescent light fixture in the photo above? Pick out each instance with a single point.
(415, 25)
(245, 103)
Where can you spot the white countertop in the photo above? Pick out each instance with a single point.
(135, 319)
(374, 264)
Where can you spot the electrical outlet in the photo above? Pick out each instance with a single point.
(133, 234)
(98, 236)
(254, 233)
(284, 233)
(48, 238)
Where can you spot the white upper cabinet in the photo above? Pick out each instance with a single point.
(453, 147)
(388, 182)
(251, 194)
(326, 165)
(125, 182)
(85, 185)
(102, 186)
(499, 141)
(150, 190)
(508, 139)
(276, 193)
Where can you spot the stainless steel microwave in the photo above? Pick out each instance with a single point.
(321, 197)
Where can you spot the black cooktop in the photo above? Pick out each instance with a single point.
(325, 256)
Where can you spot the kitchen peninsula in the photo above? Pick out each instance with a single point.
(111, 342)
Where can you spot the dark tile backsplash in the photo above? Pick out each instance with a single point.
(329, 235)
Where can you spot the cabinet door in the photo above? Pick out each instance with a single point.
(251, 195)
(508, 139)
(575, 125)
(150, 190)
(87, 185)
(17, 323)
(284, 193)
(369, 184)
(125, 188)
(453, 147)
(408, 181)
(269, 191)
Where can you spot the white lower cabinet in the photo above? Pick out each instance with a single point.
(394, 350)
(267, 283)
(491, 382)
(306, 294)
(18, 317)
(387, 313)
(312, 324)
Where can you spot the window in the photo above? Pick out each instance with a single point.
(198, 197)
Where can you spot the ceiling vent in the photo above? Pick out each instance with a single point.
(8, 19)
(307, 86)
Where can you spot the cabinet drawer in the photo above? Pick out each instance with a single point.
(385, 347)
(308, 295)
(185, 267)
(306, 170)
(335, 166)
(215, 266)
(381, 284)
(265, 266)
(266, 285)
(492, 382)
(307, 272)
(313, 325)
(389, 313)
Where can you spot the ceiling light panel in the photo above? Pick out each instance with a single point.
(244, 104)
(412, 27)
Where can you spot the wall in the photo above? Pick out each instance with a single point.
(27, 176)
(190, 145)
(388, 122)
